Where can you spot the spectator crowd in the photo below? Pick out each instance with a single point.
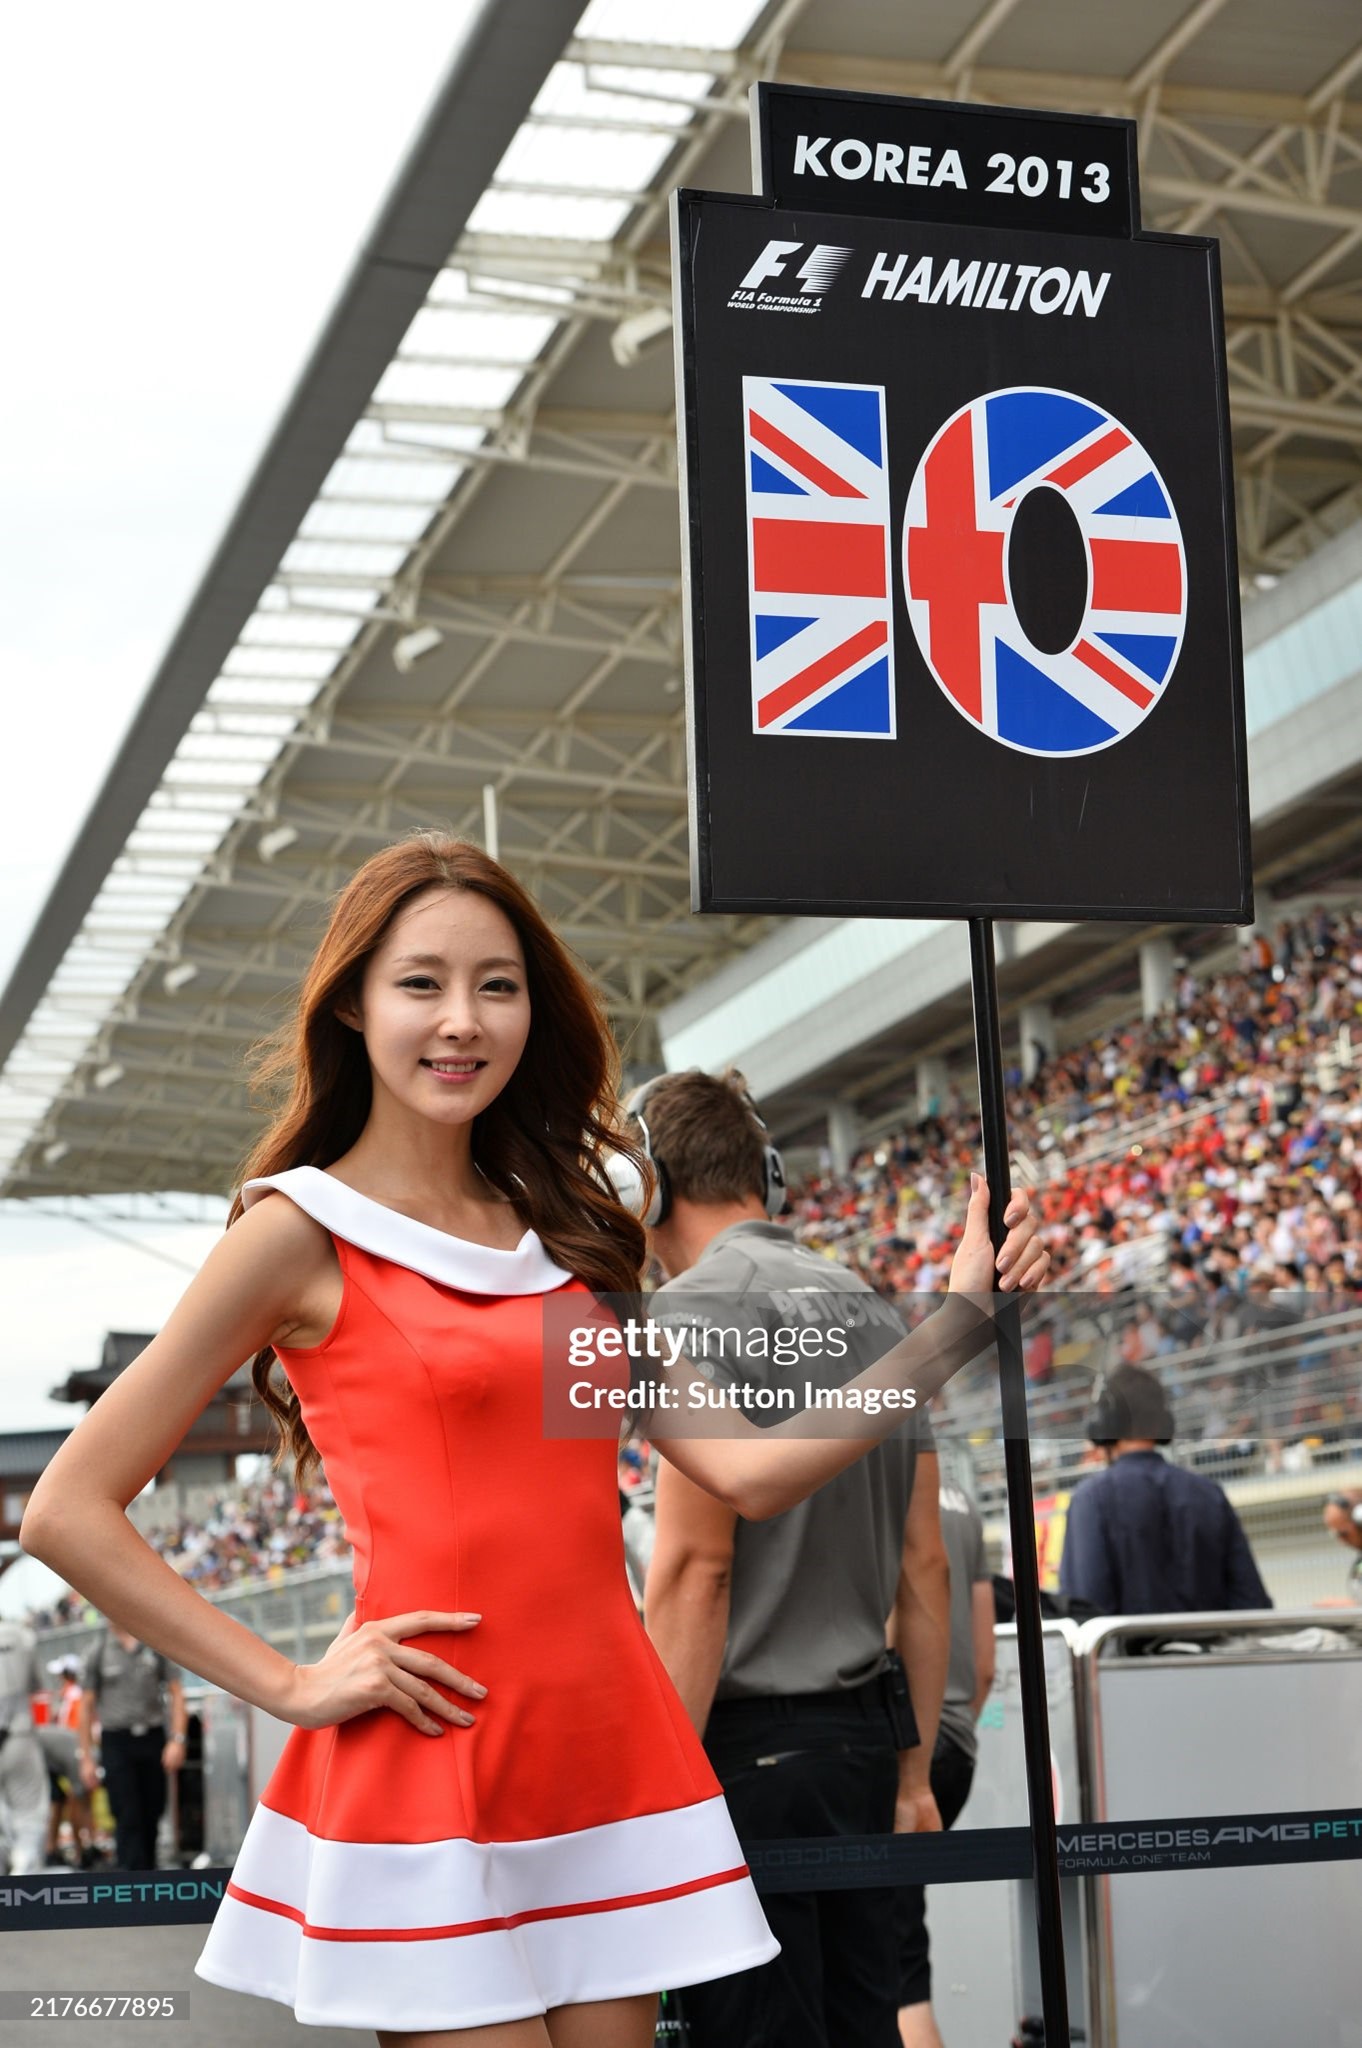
(1215, 1149)
(1200, 1172)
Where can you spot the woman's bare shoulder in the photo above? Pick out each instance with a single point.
(293, 1267)
(277, 1232)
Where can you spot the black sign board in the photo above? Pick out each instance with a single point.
(963, 634)
(875, 156)
(963, 618)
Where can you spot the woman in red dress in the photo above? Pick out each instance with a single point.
(493, 1824)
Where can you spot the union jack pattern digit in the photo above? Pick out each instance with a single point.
(964, 497)
(819, 559)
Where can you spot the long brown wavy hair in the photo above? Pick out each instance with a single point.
(541, 1142)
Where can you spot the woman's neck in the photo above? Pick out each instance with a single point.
(425, 1165)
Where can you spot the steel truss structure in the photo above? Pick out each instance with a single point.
(463, 606)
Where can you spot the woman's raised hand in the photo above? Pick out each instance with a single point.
(369, 1665)
(1023, 1261)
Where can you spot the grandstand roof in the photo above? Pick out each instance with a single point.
(477, 474)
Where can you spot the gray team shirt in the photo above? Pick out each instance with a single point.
(963, 1534)
(812, 1588)
(128, 1683)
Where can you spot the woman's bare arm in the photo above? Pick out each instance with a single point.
(247, 1293)
(762, 1471)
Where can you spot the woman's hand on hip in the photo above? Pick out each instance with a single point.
(370, 1665)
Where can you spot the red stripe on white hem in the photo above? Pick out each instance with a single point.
(672, 1891)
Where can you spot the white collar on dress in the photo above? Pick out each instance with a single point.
(374, 1227)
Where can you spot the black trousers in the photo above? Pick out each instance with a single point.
(820, 1765)
(135, 1781)
(952, 1776)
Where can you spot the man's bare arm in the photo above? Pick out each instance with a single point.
(983, 1612)
(922, 1621)
(178, 1716)
(85, 1727)
(686, 1597)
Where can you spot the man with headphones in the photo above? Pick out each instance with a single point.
(1146, 1536)
(774, 1632)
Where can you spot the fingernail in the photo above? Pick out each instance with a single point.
(974, 1183)
(480, 1690)
(470, 1617)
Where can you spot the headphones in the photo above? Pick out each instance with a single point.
(628, 1182)
(1129, 1403)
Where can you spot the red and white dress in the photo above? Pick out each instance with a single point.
(572, 1844)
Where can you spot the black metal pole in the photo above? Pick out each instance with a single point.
(1020, 1503)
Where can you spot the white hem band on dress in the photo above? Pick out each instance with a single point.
(388, 1234)
(458, 1933)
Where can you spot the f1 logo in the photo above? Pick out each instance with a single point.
(815, 274)
(770, 263)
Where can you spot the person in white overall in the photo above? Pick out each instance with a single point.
(23, 1773)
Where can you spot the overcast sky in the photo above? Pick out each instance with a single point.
(185, 193)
